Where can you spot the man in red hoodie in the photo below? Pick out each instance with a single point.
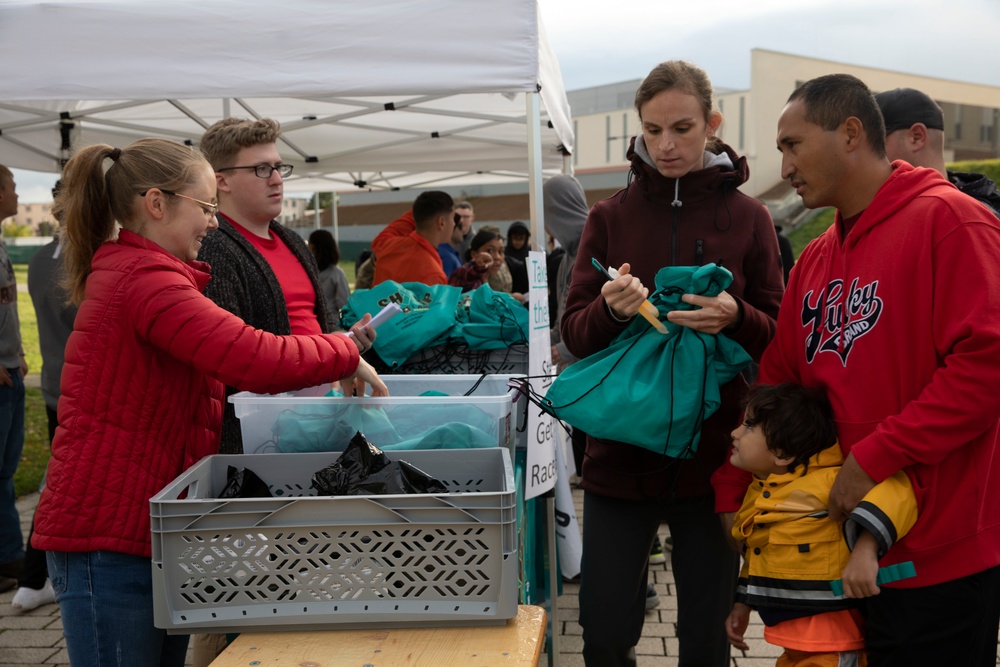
(895, 312)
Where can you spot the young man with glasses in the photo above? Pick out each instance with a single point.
(262, 271)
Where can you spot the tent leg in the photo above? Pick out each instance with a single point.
(554, 626)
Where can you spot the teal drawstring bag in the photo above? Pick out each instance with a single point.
(496, 320)
(428, 317)
(649, 389)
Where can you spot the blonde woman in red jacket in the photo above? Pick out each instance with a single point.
(142, 386)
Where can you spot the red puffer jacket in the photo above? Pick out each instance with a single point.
(142, 392)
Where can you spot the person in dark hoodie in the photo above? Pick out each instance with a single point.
(516, 256)
(914, 131)
(681, 207)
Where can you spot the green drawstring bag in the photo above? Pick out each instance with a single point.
(496, 320)
(649, 389)
(428, 317)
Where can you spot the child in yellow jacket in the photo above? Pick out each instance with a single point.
(792, 549)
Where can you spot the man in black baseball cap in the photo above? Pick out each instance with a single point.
(914, 132)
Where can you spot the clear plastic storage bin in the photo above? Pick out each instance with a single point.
(299, 561)
(481, 408)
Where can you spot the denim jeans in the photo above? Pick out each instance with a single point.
(11, 444)
(106, 601)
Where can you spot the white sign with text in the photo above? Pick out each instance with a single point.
(540, 475)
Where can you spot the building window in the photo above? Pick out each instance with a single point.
(985, 134)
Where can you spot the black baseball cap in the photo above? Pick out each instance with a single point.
(902, 107)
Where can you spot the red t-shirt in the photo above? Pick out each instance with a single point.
(300, 295)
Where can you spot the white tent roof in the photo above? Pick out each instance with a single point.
(389, 93)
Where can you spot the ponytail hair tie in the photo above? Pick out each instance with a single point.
(115, 154)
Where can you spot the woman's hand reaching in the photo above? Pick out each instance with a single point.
(355, 385)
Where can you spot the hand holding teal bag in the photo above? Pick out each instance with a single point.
(427, 317)
(649, 389)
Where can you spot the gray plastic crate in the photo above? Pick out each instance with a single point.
(301, 562)
(264, 419)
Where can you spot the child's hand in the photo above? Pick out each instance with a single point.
(736, 625)
(862, 568)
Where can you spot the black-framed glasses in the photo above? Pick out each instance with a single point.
(265, 170)
(208, 207)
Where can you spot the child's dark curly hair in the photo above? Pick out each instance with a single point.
(796, 421)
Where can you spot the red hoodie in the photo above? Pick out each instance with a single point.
(900, 324)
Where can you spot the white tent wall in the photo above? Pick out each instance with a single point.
(388, 94)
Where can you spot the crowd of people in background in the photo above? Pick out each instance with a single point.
(869, 436)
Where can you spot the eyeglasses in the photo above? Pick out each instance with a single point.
(265, 170)
(208, 207)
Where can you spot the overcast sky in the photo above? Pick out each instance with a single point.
(952, 39)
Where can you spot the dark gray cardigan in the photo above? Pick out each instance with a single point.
(244, 284)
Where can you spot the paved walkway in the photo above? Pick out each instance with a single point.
(35, 638)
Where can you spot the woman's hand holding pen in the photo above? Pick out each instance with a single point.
(624, 294)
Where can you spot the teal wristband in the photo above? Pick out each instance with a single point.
(885, 575)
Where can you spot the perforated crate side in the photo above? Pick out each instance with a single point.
(285, 562)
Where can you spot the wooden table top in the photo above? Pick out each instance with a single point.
(517, 642)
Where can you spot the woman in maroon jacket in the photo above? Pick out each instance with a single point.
(142, 386)
(681, 207)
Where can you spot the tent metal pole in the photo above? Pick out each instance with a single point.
(536, 208)
(335, 206)
(534, 125)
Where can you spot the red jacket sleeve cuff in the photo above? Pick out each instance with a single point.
(730, 485)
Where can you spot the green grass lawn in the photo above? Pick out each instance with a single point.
(36, 430)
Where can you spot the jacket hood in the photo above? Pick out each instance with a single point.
(905, 183)
(522, 252)
(565, 210)
(796, 505)
(519, 224)
(724, 170)
(976, 185)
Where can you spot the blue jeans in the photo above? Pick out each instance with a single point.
(106, 601)
(11, 444)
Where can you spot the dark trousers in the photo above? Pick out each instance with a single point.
(35, 570)
(954, 623)
(617, 536)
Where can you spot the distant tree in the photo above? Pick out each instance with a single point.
(11, 229)
(47, 228)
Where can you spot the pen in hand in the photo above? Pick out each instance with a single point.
(647, 309)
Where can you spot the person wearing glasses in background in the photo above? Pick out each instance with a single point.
(262, 271)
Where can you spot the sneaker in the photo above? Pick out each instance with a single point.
(26, 599)
(652, 599)
(656, 555)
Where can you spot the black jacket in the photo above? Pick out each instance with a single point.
(244, 284)
(978, 187)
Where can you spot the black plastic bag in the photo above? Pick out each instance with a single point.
(244, 483)
(364, 470)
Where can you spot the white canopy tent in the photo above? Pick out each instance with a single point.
(385, 94)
